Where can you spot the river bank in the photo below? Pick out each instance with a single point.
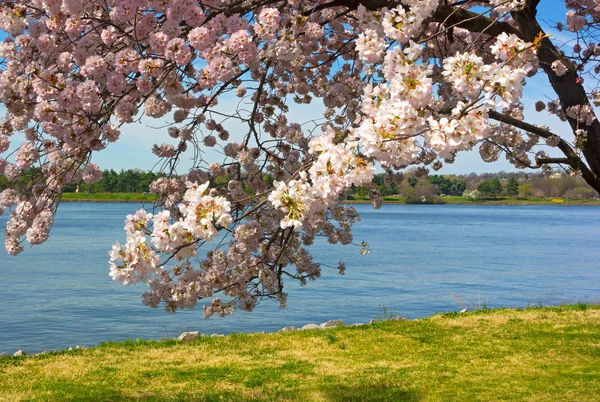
(460, 200)
(108, 197)
(506, 354)
(448, 200)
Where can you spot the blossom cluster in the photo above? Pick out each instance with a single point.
(403, 109)
(138, 260)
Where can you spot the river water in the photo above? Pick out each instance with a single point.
(425, 259)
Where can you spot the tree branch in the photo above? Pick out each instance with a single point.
(541, 161)
(473, 22)
(572, 159)
(446, 15)
(504, 118)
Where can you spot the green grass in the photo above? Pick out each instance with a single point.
(538, 354)
(108, 197)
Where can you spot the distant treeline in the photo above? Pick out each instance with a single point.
(125, 181)
(418, 187)
(412, 184)
(526, 185)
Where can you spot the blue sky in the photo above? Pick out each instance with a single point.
(133, 148)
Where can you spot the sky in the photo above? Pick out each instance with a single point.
(132, 150)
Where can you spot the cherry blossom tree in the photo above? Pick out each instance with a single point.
(409, 82)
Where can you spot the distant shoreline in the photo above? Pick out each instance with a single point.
(572, 203)
(135, 198)
(108, 197)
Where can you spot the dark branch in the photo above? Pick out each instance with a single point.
(542, 161)
(572, 159)
(503, 118)
(461, 18)
(446, 15)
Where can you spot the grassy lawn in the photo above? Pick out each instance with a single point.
(108, 197)
(538, 354)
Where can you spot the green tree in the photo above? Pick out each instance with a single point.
(111, 181)
(492, 188)
(525, 190)
(3, 183)
(385, 188)
(512, 188)
(448, 185)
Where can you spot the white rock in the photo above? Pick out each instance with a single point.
(464, 310)
(19, 353)
(188, 336)
(216, 335)
(70, 348)
(357, 324)
(310, 326)
(332, 324)
(288, 329)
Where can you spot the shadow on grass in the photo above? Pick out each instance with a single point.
(367, 392)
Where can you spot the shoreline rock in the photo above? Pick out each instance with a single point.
(332, 324)
(190, 336)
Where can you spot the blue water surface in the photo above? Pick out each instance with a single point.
(425, 259)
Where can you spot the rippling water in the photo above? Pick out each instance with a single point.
(424, 259)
